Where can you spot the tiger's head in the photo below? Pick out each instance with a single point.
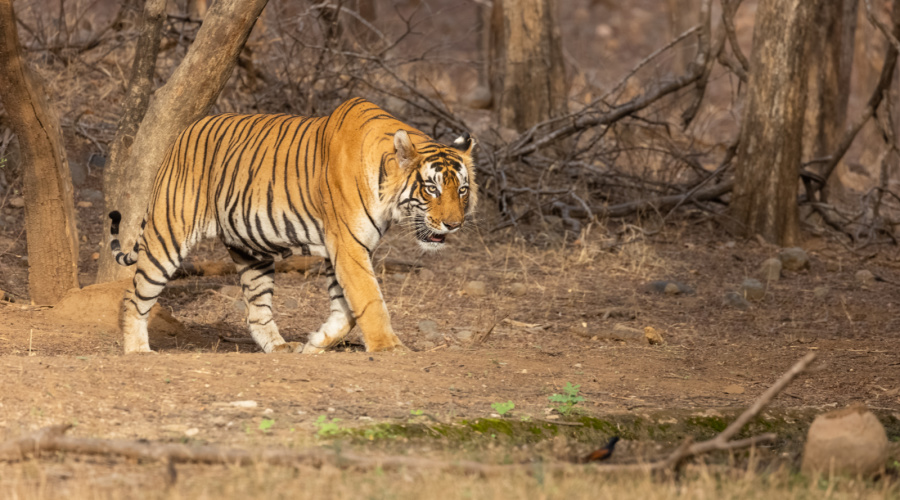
(439, 188)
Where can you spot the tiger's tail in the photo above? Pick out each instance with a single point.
(122, 258)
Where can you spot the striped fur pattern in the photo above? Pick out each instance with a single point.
(276, 185)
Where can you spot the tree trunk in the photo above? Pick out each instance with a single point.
(140, 87)
(528, 81)
(834, 38)
(683, 14)
(188, 95)
(49, 210)
(764, 200)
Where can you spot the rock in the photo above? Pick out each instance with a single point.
(624, 333)
(95, 255)
(653, 336)
(753, 289)
(849, 441)
(662, 287)
(193, 431)
(100, 305)
(736, 300)
(581, 329)
(92, 195)
(464, 335)
(832, 266)
(475, 289)
(428, 327)
(17, 202)
(821, 292)
(244, 404)
(240, 306)
(672, 289)
(794, 259)
(770, 270)
(97, 161)
(79, 172)
(865, 277)
(399, 277)
(426, 274)
(427, 345)
(518, 289)
(84, 204)
(291, 303)
(617, 312)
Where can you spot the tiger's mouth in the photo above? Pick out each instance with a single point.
(428, 238)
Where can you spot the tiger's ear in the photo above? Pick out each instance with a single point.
(464, 143)
(406, 150)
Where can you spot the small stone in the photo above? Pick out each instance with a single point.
(231, 291)
(518, 289)
(733, 389)
(865, 277)
(427, 274)
(753, 289)
(427, 345)
(736, 300)
(79, 172)
(240, 306)
(653, 336)
(193, 431)
(95, 255)
(832, 266)
(820, 292)
(794, 259)
(244, 404)
(730, 244)
(454, 347)
(479, 98)
(475, 289)
(770, 270)
(17, 202)
(97, 161)
(849, 441)
(428, 327)
(625, 333)
(399, 277)
(662, 287)
(291, 303)
(464, 335)
(581, 329)
(84, 204)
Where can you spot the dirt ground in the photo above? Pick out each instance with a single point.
(715, 357)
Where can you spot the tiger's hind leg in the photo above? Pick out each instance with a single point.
(258, 285)
(339, 322)
(153, 272)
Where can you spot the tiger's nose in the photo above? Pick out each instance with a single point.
(452, 225)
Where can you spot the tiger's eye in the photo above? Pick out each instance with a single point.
(431, 190)
(463, 190)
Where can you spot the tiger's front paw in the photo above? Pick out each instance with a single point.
(389, 344)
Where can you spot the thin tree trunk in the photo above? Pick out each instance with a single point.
(528, 82)
(189, 94)
(49, 210)
(834, 38)
(683, 14)
(764, 200)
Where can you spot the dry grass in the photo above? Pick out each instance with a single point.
(100, 480)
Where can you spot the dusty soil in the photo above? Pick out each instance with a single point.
(71, 371)
(60, 372)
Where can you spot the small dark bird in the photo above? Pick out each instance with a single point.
(603, 453)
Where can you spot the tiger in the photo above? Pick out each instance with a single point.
(270, 185)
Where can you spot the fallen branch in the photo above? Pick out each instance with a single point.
(53, 439)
